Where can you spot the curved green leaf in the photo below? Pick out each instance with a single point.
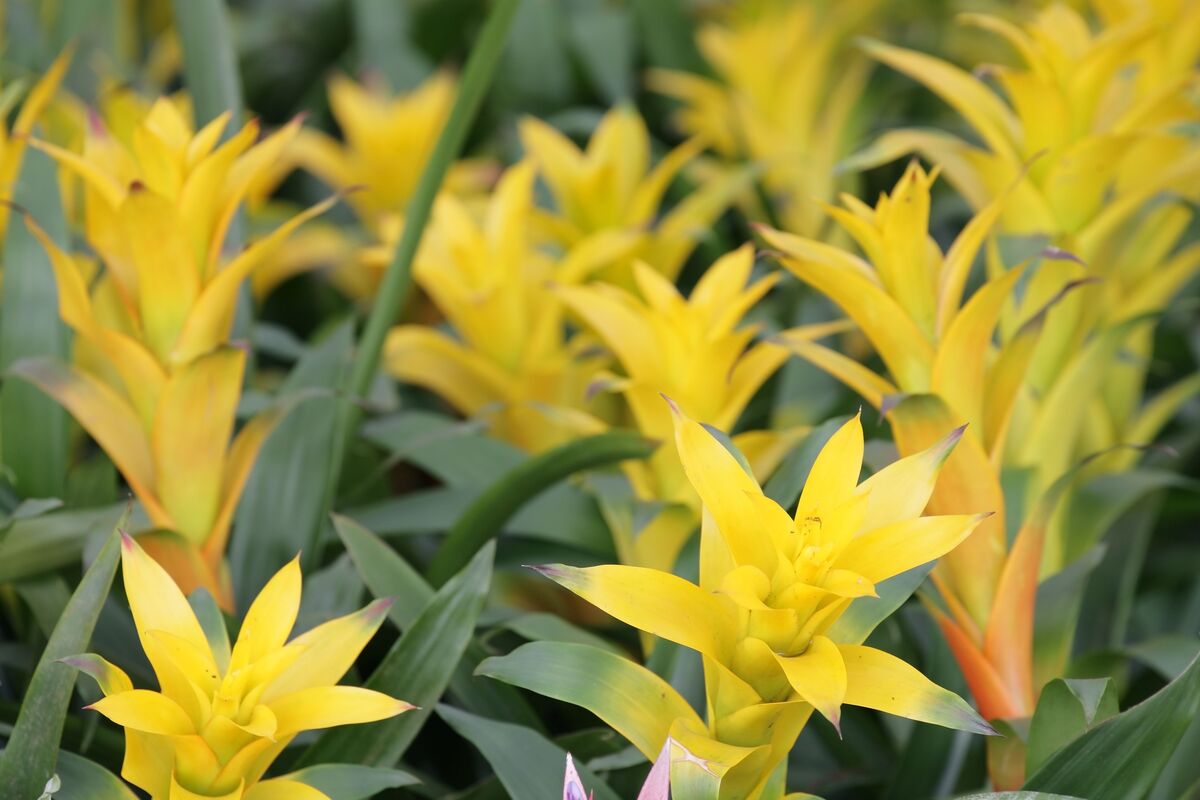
(81, 779)
(417, 669)
(28, 760)
(1121, 759)
(486, 517)
(351, 781)
(528, 765)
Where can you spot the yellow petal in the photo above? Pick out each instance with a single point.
(208, 323)
(270, 618)
(958, 261)
(155, 601)
(726, 490)
(168, 275)
(111, 678)
(191, 434)
(875, 679)
(330, 650)
(283, 789)
(180, 793)
(656, 602)
(834, 474)
(465, 379)
(146, 711)
(327, 706)
(819, 677)
(901, 490)
(870, 386)
(107, 418)
(881, 553)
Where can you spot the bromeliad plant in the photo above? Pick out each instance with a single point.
(944, 369)
(221, 716)
(784, 99)
(764, 615)
(386, 140)
(156, 380)
(696, 351)
(611, 187)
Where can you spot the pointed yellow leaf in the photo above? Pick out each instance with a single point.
(819, 676)
(878, 680)
(656, 602)
(834, 474)
(883, 552)
(146, 711)
(155, 600)
(111, 678)
(327, 706)
(901, 490)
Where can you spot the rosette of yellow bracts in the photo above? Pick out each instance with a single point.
(506, 359)
(222, 715)
(784, 99)
(156, 382)
(610, 186)
(386, 140)
(765, 613)
(697, 351)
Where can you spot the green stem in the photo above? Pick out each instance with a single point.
(486, 516)
(476, 77)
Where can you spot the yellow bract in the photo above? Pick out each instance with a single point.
(510, 361)
(220, 718)
(784, 99)
(387, 139)
(156, 383)
(771, 587)
(693, 350)
(610, 186)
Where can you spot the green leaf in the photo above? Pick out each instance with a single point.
(209, 61)
(630, 698)
(602, 37)
(43, 543)
(351, 781)
(1122, 758)
(417, 669)
(212, 622)
(1066, 710)
(785, 485)
(28, 760)
(282, 509)
(487, 516)
(552, 628)
(1016, 796)
(385, 47)
(33, 426)
(561, 514)
(865, 613)
(1167, 655)
(528, 765)
(386, 574)
(82, 779)
(666, 28)
(1056, 615)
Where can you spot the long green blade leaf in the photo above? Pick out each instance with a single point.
(417, 669)
(484, 518)
(28, 760)
(1121, 758)
(33, 427)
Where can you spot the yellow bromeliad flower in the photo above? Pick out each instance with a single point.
(772, 588)
(945, 366)
(157, 384)
(509, 361)
(693, 350)
(387, 140)
(610, 186)
(1094, 127)
(221, 717)
(784, 98)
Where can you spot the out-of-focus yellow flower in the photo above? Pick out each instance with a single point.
(784, 99)
(156, 383)
(509, 360)
(772, 588)
(694, 351)
(610, 186)
(386, 141)
(220, 717)
(1089, 130)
